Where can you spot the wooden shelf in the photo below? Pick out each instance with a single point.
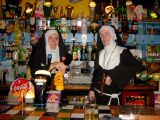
(140, 88)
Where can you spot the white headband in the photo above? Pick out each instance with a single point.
(50, 32)
(111, 30)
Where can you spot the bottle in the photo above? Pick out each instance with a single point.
(84, 54)
(79, 52)
(125, 26)
(134, 42)
(84, 26)
(63, 25)
(74, 27)
(74, 54)
(28, 73)
(61, 12)
(89, 49)
(134, 26)
(93, 52)
(32, 24)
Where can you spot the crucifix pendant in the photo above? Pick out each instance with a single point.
(102, 83)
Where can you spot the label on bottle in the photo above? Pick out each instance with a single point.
(135, 27)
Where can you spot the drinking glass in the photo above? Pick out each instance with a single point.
(89, 108)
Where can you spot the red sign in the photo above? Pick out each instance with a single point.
(20, 84)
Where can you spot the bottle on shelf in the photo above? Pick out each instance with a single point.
(32, 24)
(74, 27)
(134, 42)
(134, 26)
(79, 52)
(84, 53)
(63, 25)
(94, 51)
(125, 26)
(84, 26)
(89, 50)
(74, 52)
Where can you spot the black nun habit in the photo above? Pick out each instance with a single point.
(39, 60)
(119, 64)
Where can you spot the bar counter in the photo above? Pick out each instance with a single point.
(75, 112)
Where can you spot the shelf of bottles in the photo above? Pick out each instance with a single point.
(136, 100)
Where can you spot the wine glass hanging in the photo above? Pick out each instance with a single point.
(74, 30)
(94, 29)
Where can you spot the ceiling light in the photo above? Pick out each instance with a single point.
(47, 3)
(92, 4)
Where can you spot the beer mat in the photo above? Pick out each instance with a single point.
(30, 108)
(63, 115)
(80, 80)
(68, 107)
(19, 107)
(96, 111)
(47, 118)
(37, 113)
(32, 118)
(102, 107)
(24, 112)
(4, 108)
(77, 115)
(6, 116)
(53, 110)
(19, 117)
(12, 112)
(50, 114)
(78, 111)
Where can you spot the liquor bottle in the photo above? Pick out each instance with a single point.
(84, 26)
(79, 52)
(74, 27)
(63, 25)
(89, 49)
(32, 24)
(125, 26)
(134, 42)
(94, 51)
(61, 12)
(134, 26)
(1, 10)
(74, 53)
(84, 54)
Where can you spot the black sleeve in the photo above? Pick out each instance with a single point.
(122, 73)
(37, 57)
(68, 56)
(127, 70)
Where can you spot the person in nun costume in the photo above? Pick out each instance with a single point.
(115, 66)
(49, 53)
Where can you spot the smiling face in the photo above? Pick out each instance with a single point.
(53, 41)
(105, 37)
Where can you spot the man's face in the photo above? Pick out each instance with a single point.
(53, 41)
(105, 37)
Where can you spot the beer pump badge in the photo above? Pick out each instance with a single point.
(18, 89)
(20, 84)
